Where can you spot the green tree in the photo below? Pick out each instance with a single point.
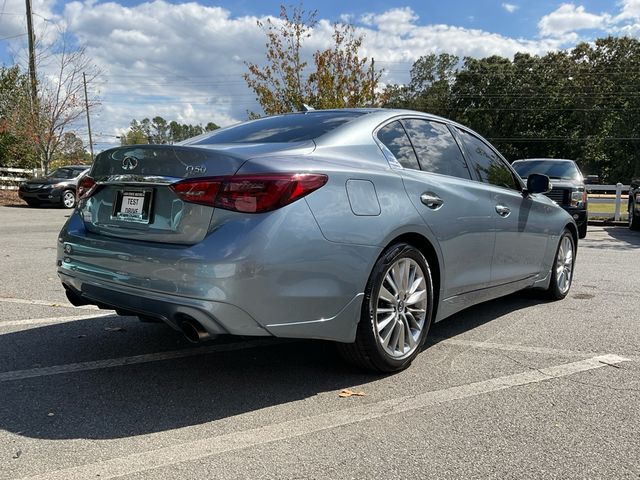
(159, 131)
(16, 150)
(429, 89)
(136, 135)
(580, 104)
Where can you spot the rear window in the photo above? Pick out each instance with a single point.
(295, 127)
(558, 170)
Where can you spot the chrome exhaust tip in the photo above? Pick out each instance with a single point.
(194, 331)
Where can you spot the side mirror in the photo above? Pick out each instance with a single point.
(537, 183)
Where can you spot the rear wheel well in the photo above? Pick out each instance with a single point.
(426, 248)
(574, 232)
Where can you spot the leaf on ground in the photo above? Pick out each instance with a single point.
(115, 329)
(350, 393)
(56, 305)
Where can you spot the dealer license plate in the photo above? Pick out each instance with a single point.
(133, 205)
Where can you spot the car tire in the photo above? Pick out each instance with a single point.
(634, 220)
(562, 267)
(582, 230)
(68, 199)
(33, 203)
(394, 319)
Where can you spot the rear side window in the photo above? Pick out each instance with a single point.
(436, 148)
(295, 127)
(394, 137)
(486, 163)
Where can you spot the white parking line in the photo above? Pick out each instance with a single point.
(162, 457)
(136, 359)
(52, 320)
(524, 348)
(47, 303)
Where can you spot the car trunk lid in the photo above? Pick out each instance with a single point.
(133, 198)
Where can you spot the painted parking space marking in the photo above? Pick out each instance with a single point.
(136, 359)
(190, 451)
(524, 348)
(46, 303)
(52, 320)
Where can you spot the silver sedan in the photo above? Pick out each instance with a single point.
(357, 226)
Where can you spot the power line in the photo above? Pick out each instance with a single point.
(14, 36)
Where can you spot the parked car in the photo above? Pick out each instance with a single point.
(568, 187)
(358, 226)
(634, 204)
(58, 187)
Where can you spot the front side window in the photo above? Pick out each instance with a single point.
(394, 137)
(436, 148)
(486, 163)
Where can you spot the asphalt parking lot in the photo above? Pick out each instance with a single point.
(515, 388)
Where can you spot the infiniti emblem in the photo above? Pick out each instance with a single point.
(129, 163)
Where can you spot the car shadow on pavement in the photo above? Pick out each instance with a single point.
(625, 238)
(127, 401)
(480, 314)
(158, 396)
(44, 206)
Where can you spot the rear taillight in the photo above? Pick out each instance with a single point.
(249, 193)
(86, 187)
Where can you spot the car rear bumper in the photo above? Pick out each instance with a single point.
(216, 317)
(278, 276)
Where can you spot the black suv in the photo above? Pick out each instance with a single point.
(634, 204)
(568, 185)
(58, 187)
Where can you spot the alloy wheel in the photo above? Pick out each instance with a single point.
(400, 308)
(69, 199)
(564, 264)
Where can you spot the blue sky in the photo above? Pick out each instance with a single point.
(184, 61)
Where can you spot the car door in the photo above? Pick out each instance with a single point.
(519, 220)
(456, 209)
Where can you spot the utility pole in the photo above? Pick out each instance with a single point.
(32, 60)
(86, 107)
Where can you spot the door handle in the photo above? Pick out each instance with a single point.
(431, 200)
(503, 211)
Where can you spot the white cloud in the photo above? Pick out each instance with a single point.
(397, 20)
(510, 7)
(571, 18)
(630, 10)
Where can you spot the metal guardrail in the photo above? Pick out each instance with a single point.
(10, 177)
(618, 188)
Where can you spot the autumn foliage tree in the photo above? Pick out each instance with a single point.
(61, 101)
(338, 76)
(342, 79)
